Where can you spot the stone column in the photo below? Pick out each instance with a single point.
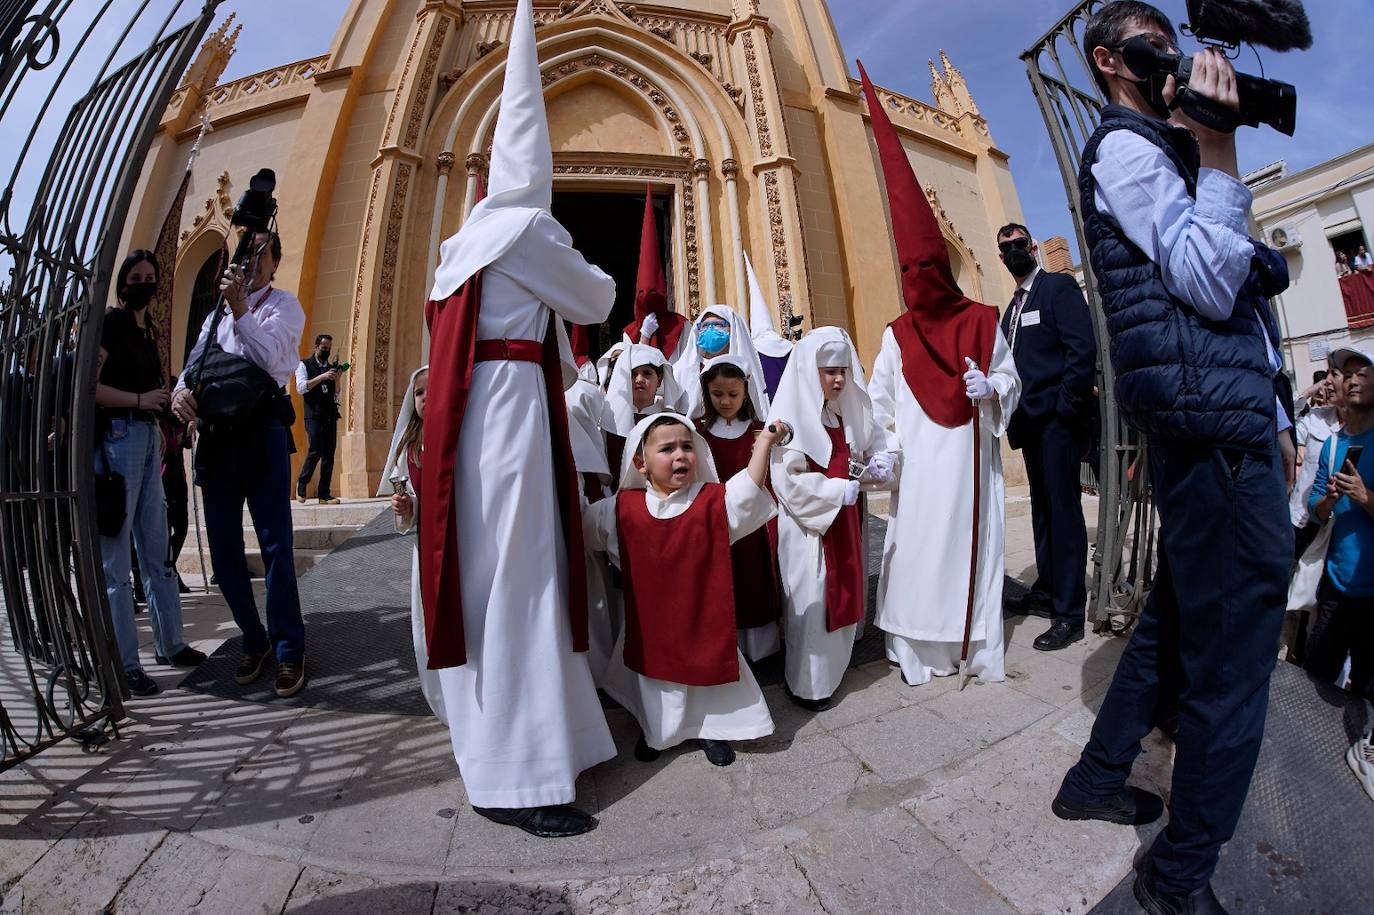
(774, 168)
(475, 164)
(701, 168)
(368, 409)
(443, 164)
(729, 170)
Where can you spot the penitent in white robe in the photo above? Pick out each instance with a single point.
(670, 713)
(523, 711)
(809, 501)
(924, 579)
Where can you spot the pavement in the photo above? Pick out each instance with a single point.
(898, 799)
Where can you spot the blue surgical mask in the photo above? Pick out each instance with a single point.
(713, 339)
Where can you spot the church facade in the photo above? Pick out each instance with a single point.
(740, 117)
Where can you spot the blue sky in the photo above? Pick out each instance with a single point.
(984, 39)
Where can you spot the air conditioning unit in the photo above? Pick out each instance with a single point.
(1285, 238)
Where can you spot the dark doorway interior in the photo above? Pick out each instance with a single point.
(204, 294)
(606, 227)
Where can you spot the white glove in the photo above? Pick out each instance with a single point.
(851, 492)
(881, 465)
(649, 326)
(976, 384)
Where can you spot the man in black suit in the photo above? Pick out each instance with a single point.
(1051, 336)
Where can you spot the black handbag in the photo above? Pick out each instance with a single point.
(229, 388)
(110, 501)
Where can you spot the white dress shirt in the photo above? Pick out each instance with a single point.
(268, 334)
(1202, 246)
(303, 381)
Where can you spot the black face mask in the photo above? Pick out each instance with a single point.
(324, 356)
(138, 295)
(1019, 262)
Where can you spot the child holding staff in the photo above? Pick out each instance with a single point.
(676, 666)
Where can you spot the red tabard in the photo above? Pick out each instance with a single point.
(679, 603)
(754, 560)
(843, 547)
(453, 352)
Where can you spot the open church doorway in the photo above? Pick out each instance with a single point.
(606, 228)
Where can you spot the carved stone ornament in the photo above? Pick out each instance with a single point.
(778, 234)
(702, 58)
(701, 168)
(486, 47)
(475, 163)
(445, 162)
(386, 298)
(730, 169)
(751, 64)
(220, 197)
(637, 80)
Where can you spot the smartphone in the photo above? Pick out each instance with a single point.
(1353, 455)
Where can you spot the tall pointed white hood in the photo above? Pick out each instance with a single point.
(520, 184)
(767, 340)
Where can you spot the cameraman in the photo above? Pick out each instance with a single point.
(317, 381)
(1194, 345)
(251, 461)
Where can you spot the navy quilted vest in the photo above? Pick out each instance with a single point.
(1179, 375)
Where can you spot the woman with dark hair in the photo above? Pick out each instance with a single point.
(130, 396)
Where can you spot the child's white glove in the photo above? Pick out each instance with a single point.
(976, 384)
(881, 465)
(851, 492)
(649, 326)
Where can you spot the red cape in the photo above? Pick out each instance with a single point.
(651, 289)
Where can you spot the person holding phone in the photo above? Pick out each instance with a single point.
(1344, 626)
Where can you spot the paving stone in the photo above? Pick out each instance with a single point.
(995, 815)
(905, 743)
(1051, 680)
(83, 872)
(988, 712)
(859, 698)
(186, 874)
(322, 892)
(890, 862)
(784, 786)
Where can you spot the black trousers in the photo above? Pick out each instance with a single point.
(323, 435)
(1344, 627)
(1053, 457)
(178, 516)
(1207, 640)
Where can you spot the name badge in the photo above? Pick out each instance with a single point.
(1030, 318)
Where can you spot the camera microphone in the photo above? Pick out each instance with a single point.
(1280, 25)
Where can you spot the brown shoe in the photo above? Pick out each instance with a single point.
(300, 497)
(329, 501)
(290, 677)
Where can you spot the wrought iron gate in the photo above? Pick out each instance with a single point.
(1123, 554)
(68, 190)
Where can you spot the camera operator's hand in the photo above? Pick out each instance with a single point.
(1214, 79)
(332, 376)
(184, 405)
(233, 284)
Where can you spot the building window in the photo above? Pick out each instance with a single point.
(1355, 273)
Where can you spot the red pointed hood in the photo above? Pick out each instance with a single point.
(581, 345)
(651, 288)
(941, 326)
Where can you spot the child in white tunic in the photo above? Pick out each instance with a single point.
(837, 450)
(685, 631)
(400, 479)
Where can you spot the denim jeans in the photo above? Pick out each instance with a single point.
(133, 449)
(254, 468)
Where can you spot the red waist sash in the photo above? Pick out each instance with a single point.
(843, 548)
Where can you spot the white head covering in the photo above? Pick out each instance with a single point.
(396, 467)
(586, 410)
(631, 478)
(521, 181)
(766, 338)
(752, 382)
(799, 400)
(689, 364)
(603, 364)
(587, 372)
(620, 395)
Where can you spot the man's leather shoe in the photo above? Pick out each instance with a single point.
(811, 705)
(546, 822)
(1129, 807)
(187, 657)
(718, 752)
(290, 678)
(250, 668)
(1199, 902)
(1032, 603)
(1060, 635)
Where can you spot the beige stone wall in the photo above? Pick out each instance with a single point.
(830, 299)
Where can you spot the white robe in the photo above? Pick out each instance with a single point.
(670, 713)
(764, 641)
(586, 415)
(923, 583)
(808, 501)
(429, 679)
(523, 712)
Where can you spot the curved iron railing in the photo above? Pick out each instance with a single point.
(61, 214)
(1123, 553)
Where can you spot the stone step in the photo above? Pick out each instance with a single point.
(348, 513)
(188, 563)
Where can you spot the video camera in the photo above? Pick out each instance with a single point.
(1280, 25)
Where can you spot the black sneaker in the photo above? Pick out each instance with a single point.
(187, 657)
(250, 668)
(1130, 806)
(140, 684)
(1154, 901)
